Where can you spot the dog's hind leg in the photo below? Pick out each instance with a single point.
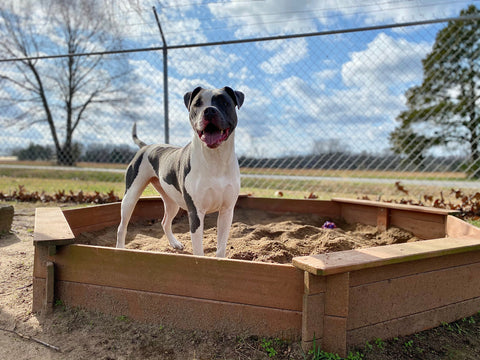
(128, 205)
(170, 211)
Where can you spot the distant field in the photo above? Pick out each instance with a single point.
(53, 180)
(378, 174)
(288, 172)
(80, 164)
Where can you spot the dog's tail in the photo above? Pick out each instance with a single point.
(137, 141)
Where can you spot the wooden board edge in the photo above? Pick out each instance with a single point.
(415, 322)
(51, 227)
(406, 207)
(358, 259)
(257, 283)
(182, 312)
(456, 227)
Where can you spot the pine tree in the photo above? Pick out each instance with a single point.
(444, 109)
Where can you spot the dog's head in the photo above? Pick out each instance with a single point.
(212, 113)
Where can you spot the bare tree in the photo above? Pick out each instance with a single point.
(65, 91)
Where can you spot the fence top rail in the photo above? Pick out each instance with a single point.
(243, 41)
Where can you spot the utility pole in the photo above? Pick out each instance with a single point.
(165, 79)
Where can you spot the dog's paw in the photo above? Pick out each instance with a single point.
(177, 245)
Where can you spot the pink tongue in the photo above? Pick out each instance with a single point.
(212, 138)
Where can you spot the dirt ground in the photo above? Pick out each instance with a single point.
(77, 334)
(257, 236)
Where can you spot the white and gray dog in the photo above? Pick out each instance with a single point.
(201, 177)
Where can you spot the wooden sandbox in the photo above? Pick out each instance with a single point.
(340, 299)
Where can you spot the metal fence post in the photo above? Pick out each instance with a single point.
(165, 79)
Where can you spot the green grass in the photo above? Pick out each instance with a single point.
(474, 222)
(51, 181)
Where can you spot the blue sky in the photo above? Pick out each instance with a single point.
(339, 91)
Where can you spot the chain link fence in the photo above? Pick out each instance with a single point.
(347, 112)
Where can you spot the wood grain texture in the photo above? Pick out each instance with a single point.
(412, 323)
(51, 227)
(456, 228)
(414, 208)
(319, 207)
(351, 260)
(183, 312)
(400, 297)
(393, 271)
(262, 284)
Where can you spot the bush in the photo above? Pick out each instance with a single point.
(34, 152)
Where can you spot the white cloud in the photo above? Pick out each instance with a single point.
(406, 11)
(285, 111)
(326, 74)
(294, 87)
(288, 52)
(242, 75)
(276, 17)
(361, 112)
(384, 62)
(197, 61)
(268, 16)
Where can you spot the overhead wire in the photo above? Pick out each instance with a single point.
(365, 9)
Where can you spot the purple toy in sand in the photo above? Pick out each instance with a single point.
(329, 225)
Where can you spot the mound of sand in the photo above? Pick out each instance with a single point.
(257, 236)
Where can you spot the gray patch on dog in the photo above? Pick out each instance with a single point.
(133, 169)
(176, 164)
(156, 154)
(193, 218)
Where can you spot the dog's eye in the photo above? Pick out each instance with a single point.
(198, 103)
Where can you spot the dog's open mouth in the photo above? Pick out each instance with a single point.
(212, 136)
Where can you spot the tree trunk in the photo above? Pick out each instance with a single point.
(65, 155)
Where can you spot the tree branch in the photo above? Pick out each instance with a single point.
(31, 338)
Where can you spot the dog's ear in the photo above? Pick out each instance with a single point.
(237, 96)
(189, 96)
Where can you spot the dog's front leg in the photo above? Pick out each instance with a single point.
(224, 222)
(196, 219)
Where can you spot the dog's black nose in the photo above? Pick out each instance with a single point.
(209, 113)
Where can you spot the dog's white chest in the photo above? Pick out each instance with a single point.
(211, 191)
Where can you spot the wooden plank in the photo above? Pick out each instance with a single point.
(364, 214)
(38, 294)
(148, 208)
(93, 217)
(312, 316)
(313, 308)
(424, 209)
(51, 227)
(314, 284)
(383, 219)
(335, 335)
(40, 259)
(262, 284)
(370, 275)
(183, 312)
(395, 298)
(337, 295)
(412, 323)
(421, 224)
(49, 288)
(350, 260)
(97, 217)
(456, 227)
(424, 222)
(320, 207)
